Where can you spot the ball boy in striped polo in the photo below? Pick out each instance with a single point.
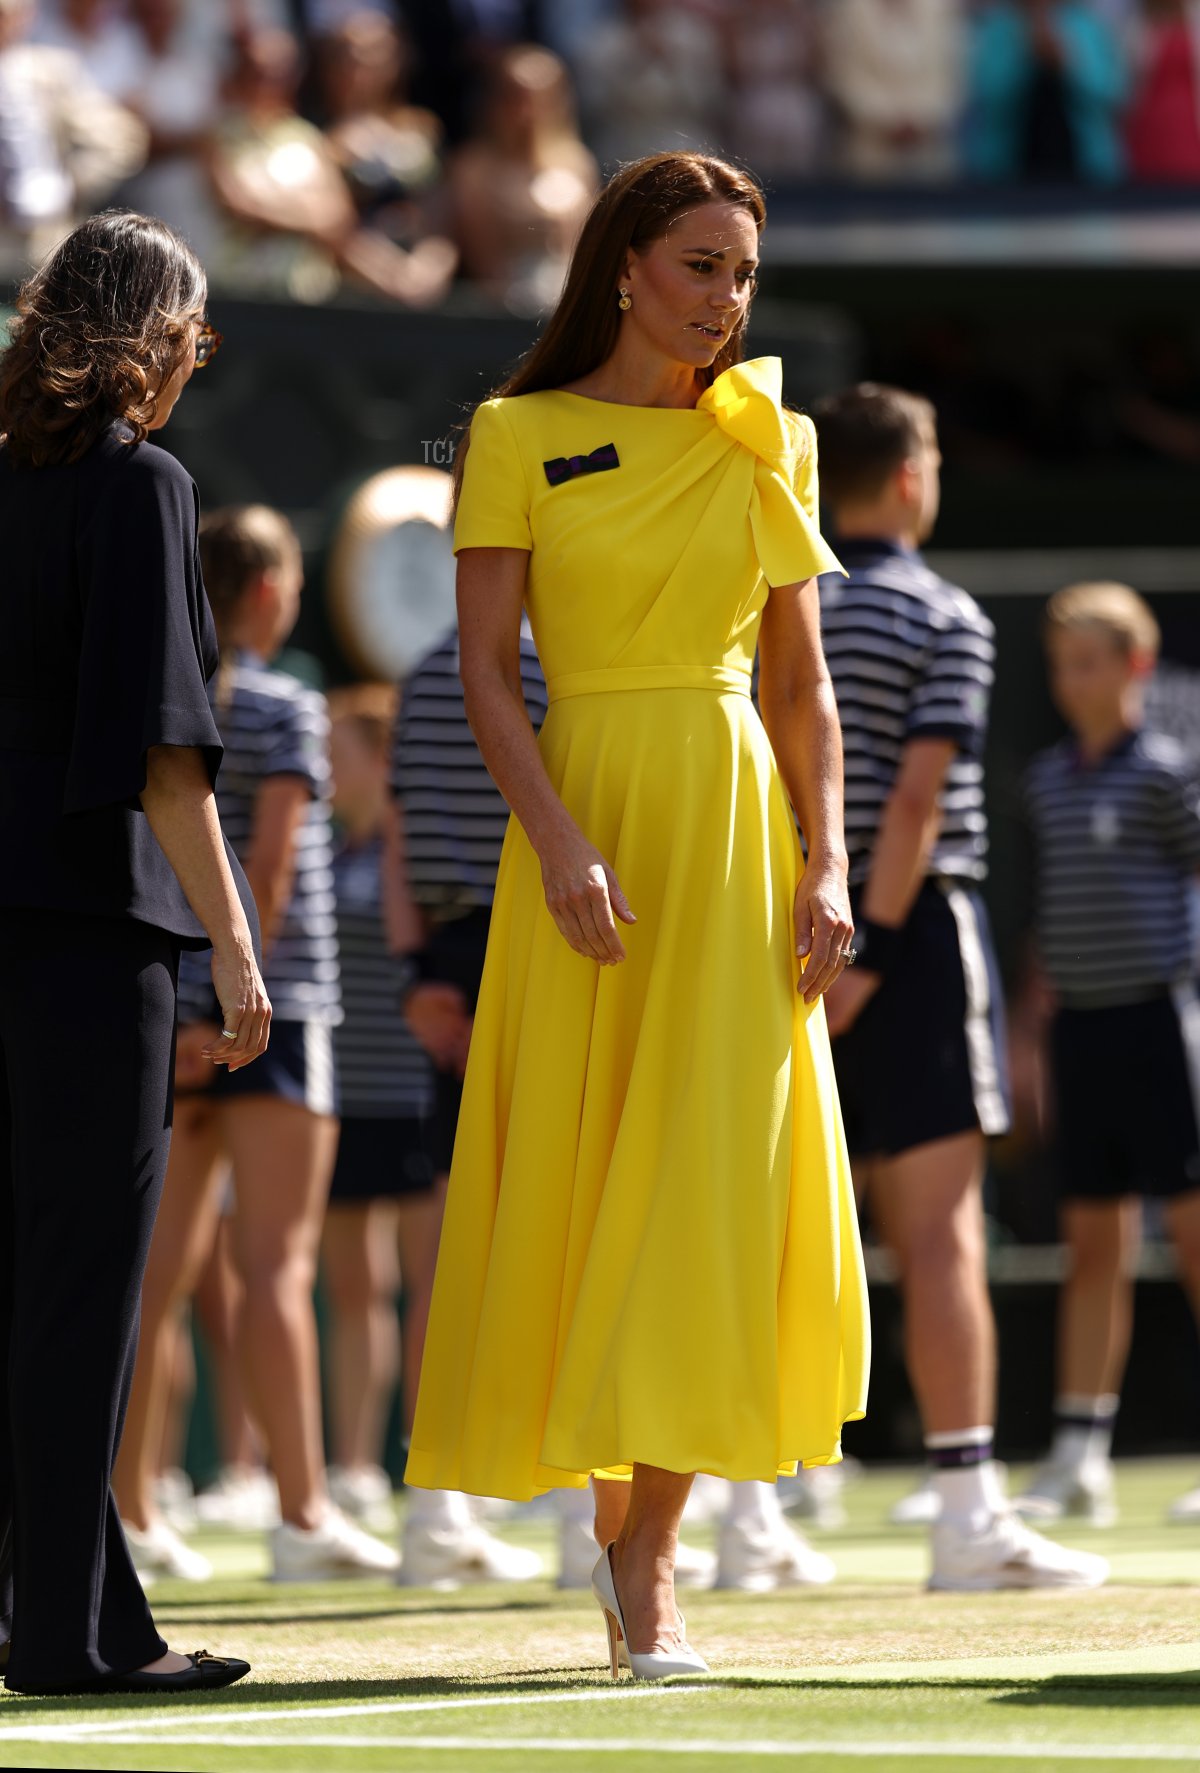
(918, 1043)
(1115, 823)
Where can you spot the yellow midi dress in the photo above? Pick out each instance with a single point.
(650, 1252)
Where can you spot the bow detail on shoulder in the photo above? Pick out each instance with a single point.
(747, 402)
(562, 468)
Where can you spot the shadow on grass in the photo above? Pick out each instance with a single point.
(250, 1695)
(1150, 1691)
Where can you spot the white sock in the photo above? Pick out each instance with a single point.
(969, 1487)
(754, 1506)
(442, 1511)
(1083, 1428)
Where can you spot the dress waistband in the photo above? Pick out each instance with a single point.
(33, 724)
(725, 679)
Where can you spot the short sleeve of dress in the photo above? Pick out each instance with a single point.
(147, 642)
(493, 502)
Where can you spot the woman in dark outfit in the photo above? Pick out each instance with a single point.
(113, 862)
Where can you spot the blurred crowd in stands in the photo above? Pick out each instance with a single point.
(398, 147)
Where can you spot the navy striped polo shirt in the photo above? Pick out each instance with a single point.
(911, 657)
(1115, 845)
(455, 817)
(383, 1073)
(271, 724)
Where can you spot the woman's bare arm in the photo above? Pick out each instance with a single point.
(799, 711)
(178, 802)
(582, 892)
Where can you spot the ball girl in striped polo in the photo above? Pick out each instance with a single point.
(384, 1206)
(279, 1135)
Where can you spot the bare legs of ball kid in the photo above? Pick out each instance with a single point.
(927, 1203)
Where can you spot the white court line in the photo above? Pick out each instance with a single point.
(176, 1719)
(1042, 1752)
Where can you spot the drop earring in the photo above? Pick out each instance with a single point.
(624, 300)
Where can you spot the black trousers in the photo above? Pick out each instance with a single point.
(87, 1019)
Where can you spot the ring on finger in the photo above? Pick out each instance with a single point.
(229, 1034)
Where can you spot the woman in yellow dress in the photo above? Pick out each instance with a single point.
(650, 1263)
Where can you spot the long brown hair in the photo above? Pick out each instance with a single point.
(99, 327)
(635, 208)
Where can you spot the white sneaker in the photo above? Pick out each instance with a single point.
(323, 1553)
(1086, 1492)
(920, 1508)
(364, 1494)
(175, 1498)
(757, 1561)
(1185, 1510)
(243, 1497)
(1005, 1553)
(159, 1551)
(450, 1557)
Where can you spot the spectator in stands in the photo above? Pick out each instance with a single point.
(1047, 84)
(171, 81)
(776, 114)
(294, 229)
(383, 1202)
(98, 33)
(64, 144)
(388, 151)
(650, 78)
(521, 186)
(895, 70)
(1163, 127)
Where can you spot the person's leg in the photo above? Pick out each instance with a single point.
(217, 1305)
(928, 1208)
(90, 1096)
(418, 1228)
(1096, 1306)
(182, 1238)
(361, 1277)
(643, 1557)
(283, 1158)
(612, 1508)
(1183, 1225)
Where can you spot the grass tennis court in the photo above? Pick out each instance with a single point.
(872, 1673)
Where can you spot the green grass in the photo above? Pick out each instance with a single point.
(871, 1673)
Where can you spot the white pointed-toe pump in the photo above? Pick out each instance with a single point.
(644, 1665)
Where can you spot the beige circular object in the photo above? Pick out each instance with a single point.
(391, 571)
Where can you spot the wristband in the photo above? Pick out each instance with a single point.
(878, 945)
(411, 970)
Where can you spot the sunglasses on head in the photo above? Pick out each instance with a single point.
(208, 343)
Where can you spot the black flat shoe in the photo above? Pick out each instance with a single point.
(205, 1671)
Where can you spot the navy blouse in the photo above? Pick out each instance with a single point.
(106, 646)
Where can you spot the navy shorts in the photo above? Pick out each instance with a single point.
(298, 1066)
(926, 1059)
(1126, 1086)
(382, 1159)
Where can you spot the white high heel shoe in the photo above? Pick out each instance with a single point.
(644, 1665)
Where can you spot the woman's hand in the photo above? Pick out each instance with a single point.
(245, 1008)
(584, 898)
(824, 926)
